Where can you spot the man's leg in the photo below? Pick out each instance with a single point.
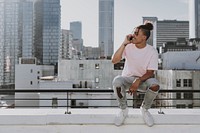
(120, 84)
(149, 97)
(120, 91)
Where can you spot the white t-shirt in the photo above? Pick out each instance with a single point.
(138, 61)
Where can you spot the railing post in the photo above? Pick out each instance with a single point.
(67, 112)
(161, 112)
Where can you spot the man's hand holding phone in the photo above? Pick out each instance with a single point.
(128, 39)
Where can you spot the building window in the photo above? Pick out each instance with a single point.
(178, 82)
(81, 66)
(190, 105)
(184, 82)
(31, 70)
(178, 95)
(119, 66)
(96, 80)
(73, 103)
(86, 84)
(96, 66)
(187, 82)
(188, 95)
(190, 82)
(31, 82)
(180, 106)
(54, 102)
(81, 84)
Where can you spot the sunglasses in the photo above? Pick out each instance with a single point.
(135, 31)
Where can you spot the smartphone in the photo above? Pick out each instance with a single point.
(130, 38)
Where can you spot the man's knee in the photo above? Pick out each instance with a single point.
(119, 94)
(117, 81)
(117, 86)
(155, 87)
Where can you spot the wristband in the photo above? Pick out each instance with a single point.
(125, 45)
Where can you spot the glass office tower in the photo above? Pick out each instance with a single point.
(28, 28)
(10, 39)
(47, 31)
(76, 29)
(106, 27)
(27, 13)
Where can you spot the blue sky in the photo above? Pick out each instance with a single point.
(128, 14)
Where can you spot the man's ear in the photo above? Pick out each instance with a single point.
(145, 37)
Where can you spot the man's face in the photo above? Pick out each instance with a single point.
(138, 36)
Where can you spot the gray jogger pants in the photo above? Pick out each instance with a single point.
(124, 83)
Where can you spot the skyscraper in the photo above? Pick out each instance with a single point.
(106, 27)
(153, 38)
(27, 13)
(10, 39)
(65, 51)
(28, 28)
(194, 11)
(76, 29)
(167, 31)
(47, 31)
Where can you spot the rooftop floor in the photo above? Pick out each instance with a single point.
(96, 120)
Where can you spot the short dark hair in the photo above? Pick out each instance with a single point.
(146, 29)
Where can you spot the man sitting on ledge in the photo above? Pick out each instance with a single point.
(141, 60)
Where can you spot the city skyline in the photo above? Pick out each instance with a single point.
(123, 22)
(28, 29)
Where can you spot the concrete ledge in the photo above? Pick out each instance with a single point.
(95, 117)
(96, 120)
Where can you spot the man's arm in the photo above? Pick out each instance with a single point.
(137, 82)
(147, 75)
(118, 54)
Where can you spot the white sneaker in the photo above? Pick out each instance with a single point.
(147, 117)
(119, 119)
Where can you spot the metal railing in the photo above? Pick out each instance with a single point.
(69, 91)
